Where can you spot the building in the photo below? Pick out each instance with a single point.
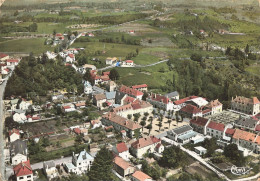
(12, 62)
(68, 108)
(128, 63)
(190, 111)
(215, 106)
(123, 167)
(88, 89)
(146, 145)
(140, 176)
(50, 170)
(199, 124)
(245, 105)
(181, 134)
(136, 107)
(18, 151)
(3, 57)
(198, 102)
(247, 123)
(99, 100)
(173, 95)
(160, 101)
(120, 123)
(70, 58)
(111, 86)
(81, 163)
(200, 150)
(247, 140)
(182, 102)
(89, 67)
(14, 135)
(111, 61)
(131, 92)
(215, 129)
(110, 98)
(121, 150)
(142, 87)
(23, 171)
(80, 105)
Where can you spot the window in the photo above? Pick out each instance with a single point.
(20, 177)
(29, 176)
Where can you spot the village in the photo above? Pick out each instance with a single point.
(132, 122)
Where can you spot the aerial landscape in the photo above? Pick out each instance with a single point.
(129, 90)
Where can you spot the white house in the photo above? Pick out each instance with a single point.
(146, 145)
(50, 170)
(18, 151)
(121, 150)
(70, 58)
(111, 61)
(81, 163)
(19, 117)
(12, 62)
(88, 89)
(160, 101)
(14, 135)
(23, 171)
(68, 107)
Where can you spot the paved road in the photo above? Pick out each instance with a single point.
(56, 161)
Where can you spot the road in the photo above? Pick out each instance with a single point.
(56, 161)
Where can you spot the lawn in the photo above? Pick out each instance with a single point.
(35, 46)
(255, 69)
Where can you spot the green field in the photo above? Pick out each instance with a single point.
(35, 46)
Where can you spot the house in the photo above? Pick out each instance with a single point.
(12, 62)
(128, 63)
(160, 101)
(182, 102)
(200, 150)
(80, 105)
(190, 111)
(199, 124)
(111, 86)
(247, 140)
(173, 95)
(245, 105)
(111, 61)
(89, 67)
(131, 92)
(18, 151)
(90, 35)
(136, 107)
(99, 100)
(77, 131)
(23, 171)
(215, 106)
(181, 134)
(146, 145)
(198, 102)
(20, 117)
(81, 163)
(123, 167)
(128, 100)
(57, 97)
(88, 89)
(70, 58)
(50, 170)
(142, 87)
(140, 176)
(215, 129)
(51, 55)
(120, 96)
(247, 123)
(3, 57)
(95, 124)
(121, 150)
(119, 123)
(14, 135)
(68, 108)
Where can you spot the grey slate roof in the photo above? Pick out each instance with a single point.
(18, 146)
(247, 122)
(110, 95)
(50, 164)
(172, 94)
(182, 129)
(119, 97)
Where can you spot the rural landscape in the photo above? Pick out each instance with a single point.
(130, 90)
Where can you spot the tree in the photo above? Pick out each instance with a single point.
(16, 13)
(87, 76)
(145, 95)
(143, 123)
(45, 142)
(114, 75)
(160, 125)
(149, 127)
(146, 114)
(129, 116)
(231, 151)
(247, 49)
(102, 166)
(78, 139)
(33, 27)
(169, 121)
(196, 57)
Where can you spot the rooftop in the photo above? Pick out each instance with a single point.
(200, 121)
(121, 147)
(122, 163)
(130, 91)
(143, 142)
(139, 175)
(216, 126)
(244, 100)
(23, 168)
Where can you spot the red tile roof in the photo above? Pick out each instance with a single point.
(23, 169)
(2, 55)
(230, 131)
(139, 86)
(216, 126)
(213, 103)
(255, 100)
(71, 55)
(200, 121)
(106, 73)
(143, 142)
(247, 136)
(58, 34)
(191, 109)
(244, 100)
(181, 101)
(66, 107)
(122, 163)
(77, 130)
(121, 147)
(141, 176)
(129, 61)
(257, 128)
(129, 99)
(131, 91)
(12, 60)
(159, 98)
(16, 131)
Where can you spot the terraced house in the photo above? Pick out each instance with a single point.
(160, 101)
(245, 105)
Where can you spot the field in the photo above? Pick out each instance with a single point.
(34, 45)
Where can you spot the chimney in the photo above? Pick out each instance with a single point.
(73, 153)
